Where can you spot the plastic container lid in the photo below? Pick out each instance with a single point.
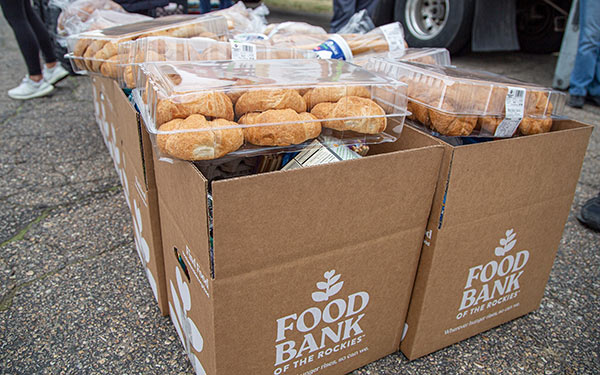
(206, 110)
(457, 101)
(97, 51)
(154, 49)
(431, 56)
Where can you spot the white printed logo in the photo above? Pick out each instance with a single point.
(299, 341)
(496, 282)
(507, 243)
(186, 328)
(330, 287)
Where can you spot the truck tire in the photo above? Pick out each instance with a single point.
(436, 23)
(536, 25)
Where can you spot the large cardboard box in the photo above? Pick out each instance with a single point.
(131, 151)
(496, 222)
(312, 269)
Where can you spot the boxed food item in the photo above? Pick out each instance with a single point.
(154, 49)
(432, 56)
(460, 102)
(131, 152)
(306, 271)
(97, 51)
(496, 222)
(207, 110)
(386, 38)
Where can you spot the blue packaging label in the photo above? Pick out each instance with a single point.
(330, 49)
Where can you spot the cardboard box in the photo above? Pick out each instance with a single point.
(313, 268)
(131, 151)
(496, 222)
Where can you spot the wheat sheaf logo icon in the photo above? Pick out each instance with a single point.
(329, 287)
(506, 243)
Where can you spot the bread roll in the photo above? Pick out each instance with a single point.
(91, 51)
(210, 143)
(263, 100)
(333, 94)
(280, 135)
(110, 67)
(109, 50)
(352, 106)
(211, 104)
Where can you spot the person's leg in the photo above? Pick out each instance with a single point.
(41, 34)
(14, 12)
(342, 11)
(205, 6)
(588, 48)
(223, 4)
(369, 5)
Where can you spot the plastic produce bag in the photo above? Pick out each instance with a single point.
(359, 23)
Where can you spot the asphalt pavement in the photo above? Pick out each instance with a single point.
(74, 298)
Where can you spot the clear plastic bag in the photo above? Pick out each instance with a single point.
(244, 20)
(205, 111)
(293, 28)
(359, 23)
(432, 56)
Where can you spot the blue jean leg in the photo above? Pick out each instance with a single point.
(585, 71)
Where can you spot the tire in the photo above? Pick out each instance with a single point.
(535, 25)
(436, 23)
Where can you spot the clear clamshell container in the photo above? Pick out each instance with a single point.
(431, 56)
(155, 49)
(209, 110)
(460, 102)
(98, 51)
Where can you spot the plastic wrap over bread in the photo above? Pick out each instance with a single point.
(206, 110)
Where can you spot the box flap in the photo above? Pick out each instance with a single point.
(513, 173)
(263, 220)
(182, 192)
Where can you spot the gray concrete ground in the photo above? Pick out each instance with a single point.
(75, 300)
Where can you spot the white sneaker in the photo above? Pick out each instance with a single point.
(53, 75)
(29, 89)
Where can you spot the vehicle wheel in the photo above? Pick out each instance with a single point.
(536, 25)
(436, 23)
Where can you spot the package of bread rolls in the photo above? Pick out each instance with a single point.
(209, 110)
(98, 51)
(161, 48)
(432, 56)
(459, 102)
(385, 38)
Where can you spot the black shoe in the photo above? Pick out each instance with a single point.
(595, 100)
(590, 214)
(576, 101)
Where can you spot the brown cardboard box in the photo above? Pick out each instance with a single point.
(497, 218)
(132, 156)
(313, 268)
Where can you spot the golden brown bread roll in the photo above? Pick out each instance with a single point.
(211, 143)
(280, 135)
(109, 68)
(109, 50)
(210, 104)
(333, 94)
(91, 51)
(262, 100)
(81, 46)
(451, 124)
(352, 106)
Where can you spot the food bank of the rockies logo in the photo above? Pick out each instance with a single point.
(497, 281)
(330, 326)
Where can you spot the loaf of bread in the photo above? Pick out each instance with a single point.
(212, 140)
(292, 132)
(361, 111)
(263, 100)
